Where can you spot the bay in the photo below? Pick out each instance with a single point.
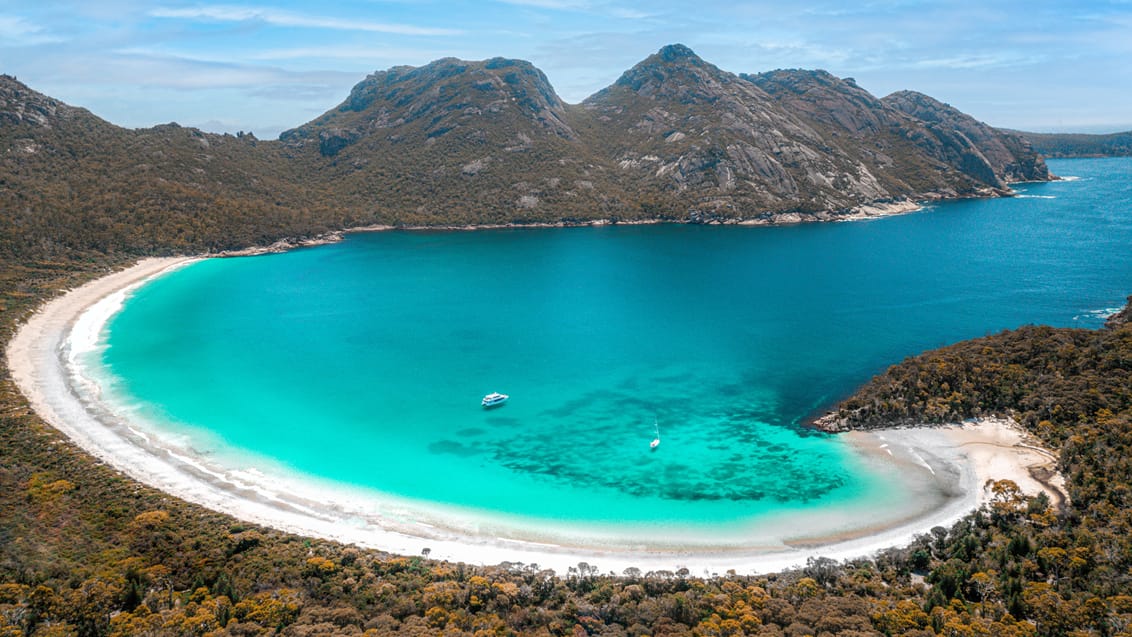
(362, 363)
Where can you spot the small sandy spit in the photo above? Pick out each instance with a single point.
(954, 461)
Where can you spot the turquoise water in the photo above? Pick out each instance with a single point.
(364, 362)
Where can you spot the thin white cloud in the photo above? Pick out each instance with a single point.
(583, 6)
(229, 13)
(398, 55)
(16, 31)
(793, 53)
(974, 61)
(629, 14)
(156, 69)
(568, 5)
(367, 57)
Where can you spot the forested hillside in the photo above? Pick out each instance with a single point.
(1058, 145)
(71, 182)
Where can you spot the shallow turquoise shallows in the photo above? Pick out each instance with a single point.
(364, 362)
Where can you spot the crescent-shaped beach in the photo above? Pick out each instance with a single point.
(957, 461)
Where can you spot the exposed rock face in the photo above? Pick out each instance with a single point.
(1123, 317)
(21, 105)
(832, 423)
(880, 137)
(834, 102)
(980, 149)
(789, 145)
(447, 97)
(718, 145)
(912, 140)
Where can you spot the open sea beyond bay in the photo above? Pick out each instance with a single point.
(363, 363)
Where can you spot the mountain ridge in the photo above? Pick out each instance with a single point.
(490, 142)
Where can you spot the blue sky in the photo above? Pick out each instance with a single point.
(253, 66)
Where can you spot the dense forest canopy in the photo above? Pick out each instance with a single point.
(1057, 145)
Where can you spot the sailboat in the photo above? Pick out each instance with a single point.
(656, 441)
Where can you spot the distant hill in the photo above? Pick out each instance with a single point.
(459, 142)
(1065, 145)
(70, 181)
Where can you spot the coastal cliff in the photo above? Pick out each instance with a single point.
(1121, 318)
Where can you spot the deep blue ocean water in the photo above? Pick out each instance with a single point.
(364, 362)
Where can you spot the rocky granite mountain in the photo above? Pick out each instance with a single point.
(935, 151)
(490, 142)
(458, 142)
(674, 137)
(978, 149)
(709, 144)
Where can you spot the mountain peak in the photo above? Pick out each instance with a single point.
(676, 57)
(454, 74)
(674, 52)
(673, 72)
(445, 98)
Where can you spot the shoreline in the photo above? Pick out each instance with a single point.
(965, 456)
(860, 212)
(863, 212)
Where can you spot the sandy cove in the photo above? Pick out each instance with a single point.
(959, 460)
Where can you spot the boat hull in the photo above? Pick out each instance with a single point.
(494, 400)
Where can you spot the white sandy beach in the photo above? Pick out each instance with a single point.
(959, 458)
